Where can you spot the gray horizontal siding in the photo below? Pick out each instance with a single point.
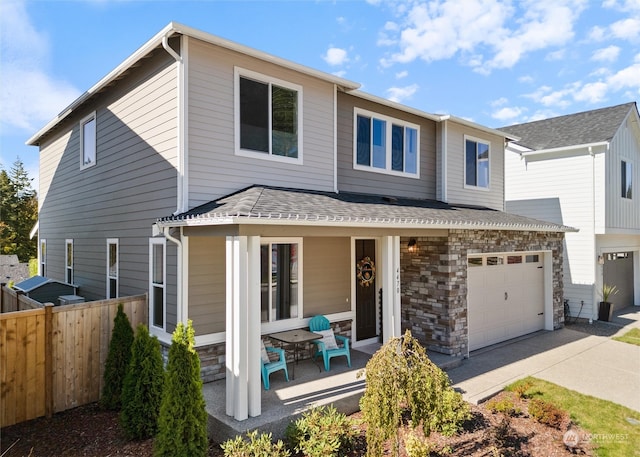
(350, 180)
(211, 129)
(132, 184)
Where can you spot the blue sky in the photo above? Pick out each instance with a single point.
(494, 62)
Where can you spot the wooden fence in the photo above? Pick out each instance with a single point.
(12, 300)
(52, 358)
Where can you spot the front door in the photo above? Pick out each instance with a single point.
(365, 272)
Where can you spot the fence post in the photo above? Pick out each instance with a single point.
(2, 284)
(48, 359)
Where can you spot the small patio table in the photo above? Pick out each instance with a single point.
(295, 337)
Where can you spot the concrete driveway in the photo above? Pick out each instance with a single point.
(590, 364)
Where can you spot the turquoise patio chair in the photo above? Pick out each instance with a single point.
(269, 367)
(328, 346)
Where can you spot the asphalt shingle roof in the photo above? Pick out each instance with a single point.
(573, 129)
(289, 205)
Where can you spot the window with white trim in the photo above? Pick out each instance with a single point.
(112, 268)
(281, 279)
(157, 282)
(268, 117)
(88, 141)
(385, 145)
(626, 179)
(68, 260)
(476, 163)
(43, 257)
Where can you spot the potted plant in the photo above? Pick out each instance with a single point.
(606, 307)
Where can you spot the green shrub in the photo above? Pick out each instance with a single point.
(142, 389)
(401, 378)
(118, 359)
(254, 446)
(418, 447)
(503, 405)
(321, 432)
(33, 267)
(547, 413)
(182, 424)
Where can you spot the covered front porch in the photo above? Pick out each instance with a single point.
(312, 387)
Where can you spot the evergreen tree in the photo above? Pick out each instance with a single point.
(142, 389)
(118, 360)
(18, 212)
(182, 425)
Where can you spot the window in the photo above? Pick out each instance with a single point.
(532, 258)
(43, 257)
(476, 168)
(157, 281)
(112, 268)
(626, 178)
(491, 261)
(281, 285)
(268, 117)
(88, 141)
(474, 261)
(69, 262)
(386, 145)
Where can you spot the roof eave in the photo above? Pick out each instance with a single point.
(177, 28)
(575, 147)
(459, 120)
(341, 221)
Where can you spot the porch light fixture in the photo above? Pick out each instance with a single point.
(412, 246)
(601, 259)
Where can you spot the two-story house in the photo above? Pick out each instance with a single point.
(582, 170)
(249, 193)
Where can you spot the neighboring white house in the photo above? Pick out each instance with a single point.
(582, 170)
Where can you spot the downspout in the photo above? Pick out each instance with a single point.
(593, 221)
(335, 138)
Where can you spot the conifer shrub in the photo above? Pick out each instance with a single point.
(117, 362)
(182, 424)
(402, 381)
(142, 389)
(547, 413)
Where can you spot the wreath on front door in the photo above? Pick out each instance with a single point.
(366, 272)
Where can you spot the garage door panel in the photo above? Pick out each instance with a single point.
(504, 301)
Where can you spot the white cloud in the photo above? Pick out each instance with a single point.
(591, 92)
(402, 74)
(500, 102)
(495, 33)
(626, 29)
(29, 96)
(398, 94)
(507, 113)
(336, 56)
(597, 33)
(608, 54)
(526, 79)
(556, 55)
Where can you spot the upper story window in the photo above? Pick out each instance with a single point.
(626, 179)
(386, 145)
(88, 141)
(476, 163)
(69, 261)
(268, 117)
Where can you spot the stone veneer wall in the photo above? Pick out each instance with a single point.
(434, 286)
(212, 357)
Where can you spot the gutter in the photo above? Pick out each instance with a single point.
(588, 147)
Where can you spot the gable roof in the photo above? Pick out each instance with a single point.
(285, 206)
(588, 127)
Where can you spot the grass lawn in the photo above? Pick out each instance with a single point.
(631, 337)
(607, 423)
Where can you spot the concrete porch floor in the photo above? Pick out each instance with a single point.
(311, 387)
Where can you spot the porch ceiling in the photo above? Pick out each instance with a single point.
(274, 205)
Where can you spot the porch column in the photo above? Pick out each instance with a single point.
(242, 326)
(391, 319)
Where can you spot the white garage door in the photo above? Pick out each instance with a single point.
(505, 297)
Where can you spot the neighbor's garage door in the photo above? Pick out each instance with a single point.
(505, 297)
(618, 271)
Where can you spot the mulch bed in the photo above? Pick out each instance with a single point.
(90, 431)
